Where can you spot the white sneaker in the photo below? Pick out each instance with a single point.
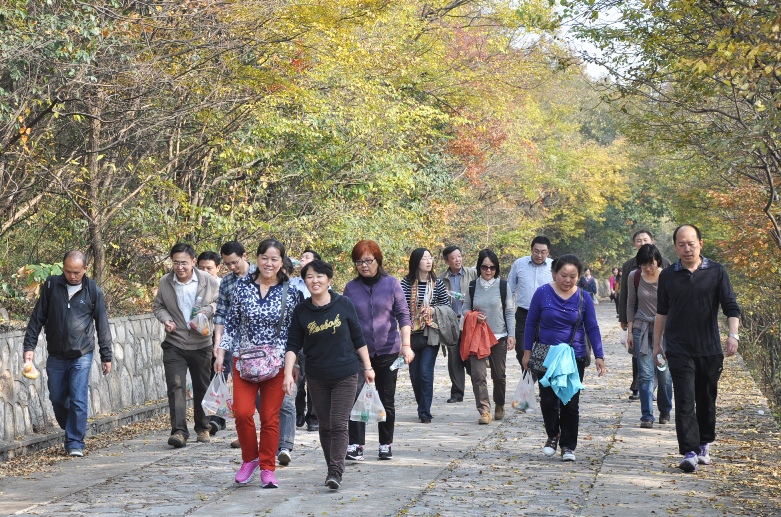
(550, 446)
(703, 456)
(567, 454)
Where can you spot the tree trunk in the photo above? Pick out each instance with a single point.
(93, 195)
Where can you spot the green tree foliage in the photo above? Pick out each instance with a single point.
(127, 126)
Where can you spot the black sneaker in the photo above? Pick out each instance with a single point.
(313, 426)
(333, 481)
(567, 454)
(635, 395)
(354, 452)
(214, 427)
(385, 452)
(300, 420)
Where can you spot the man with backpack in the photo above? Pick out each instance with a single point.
(70, 309)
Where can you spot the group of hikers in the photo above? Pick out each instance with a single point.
(300, 353)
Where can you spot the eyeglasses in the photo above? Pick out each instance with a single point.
(359, 263)
(488, 268)
(181, 264)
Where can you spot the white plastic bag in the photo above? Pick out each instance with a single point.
(367, 407)
(623, 340)
(218, 400)
(200, 324)
(524, 399)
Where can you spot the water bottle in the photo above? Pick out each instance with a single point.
(662, 363)
(398, 363)
(456, 295)
(364, 416)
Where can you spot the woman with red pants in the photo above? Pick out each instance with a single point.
(258, 319)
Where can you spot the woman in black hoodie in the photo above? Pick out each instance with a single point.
(326, 328)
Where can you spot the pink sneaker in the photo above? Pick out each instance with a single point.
(247, 470)
(268, 479)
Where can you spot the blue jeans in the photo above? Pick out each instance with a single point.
(421, 373)
(645, 381)
(68, 382)
(287, 423)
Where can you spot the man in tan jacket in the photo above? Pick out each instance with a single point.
(182, 295)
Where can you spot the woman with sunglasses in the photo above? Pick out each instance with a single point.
(384, 317)
(486, 299)
(423, 291)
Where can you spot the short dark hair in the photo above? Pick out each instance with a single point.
(638, 232)
(315, 254)
(75, 255)
(324, 268)
(263, 247)
(490, 255)
(540, 239)
(564, 260)
(696, 230)
(209, 255)
(182, 247)
(414, 264)
(450, 249)
(647, 254)
(231, 247)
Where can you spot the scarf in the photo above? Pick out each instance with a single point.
(419, 313)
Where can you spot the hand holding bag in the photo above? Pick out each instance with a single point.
(261, 363)
(218, 400)
(540, 350)
(524, 400)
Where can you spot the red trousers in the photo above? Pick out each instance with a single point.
(271, 397)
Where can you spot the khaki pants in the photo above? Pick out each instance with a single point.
(478, 370)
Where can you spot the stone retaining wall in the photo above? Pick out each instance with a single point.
(136, 378)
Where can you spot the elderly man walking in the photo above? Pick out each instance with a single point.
(688, 298)
(70, 308)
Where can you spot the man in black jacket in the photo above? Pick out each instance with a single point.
(70, 309)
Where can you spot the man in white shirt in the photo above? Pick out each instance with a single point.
(527, 274)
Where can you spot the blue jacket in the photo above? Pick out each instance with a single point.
(562, 375)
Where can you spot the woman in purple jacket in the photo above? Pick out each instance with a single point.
(385, 322)
(552, 319)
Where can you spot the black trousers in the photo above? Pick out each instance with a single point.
(385, 382)
(520, 328)
(561, 418)
(304, 405)
(695, 387)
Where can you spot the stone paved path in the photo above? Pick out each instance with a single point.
(452, 467)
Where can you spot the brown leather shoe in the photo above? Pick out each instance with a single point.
(177, 440)
(485, 418)
(204, 437)
(499, 412)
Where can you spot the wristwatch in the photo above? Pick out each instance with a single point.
(735, 337)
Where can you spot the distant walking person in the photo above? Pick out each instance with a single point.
(563, 315)
(484, 297)
(641, 314)
(690, 293)
(423, 291)
(639, 238)
(589, 284)
(526, 275)
(384, 315)
(181, 295)
(456, 279)
(70, 309)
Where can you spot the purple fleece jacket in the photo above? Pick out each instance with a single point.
(382, 310)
